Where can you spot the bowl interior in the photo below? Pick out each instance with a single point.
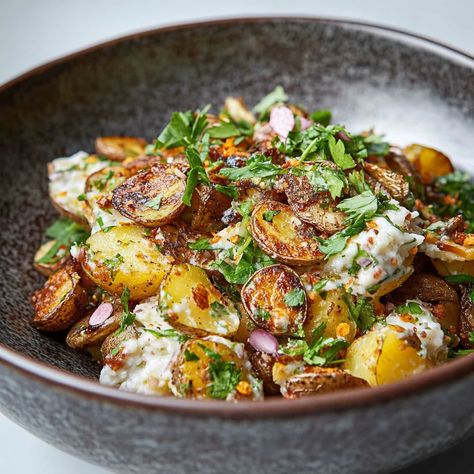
(410, 89)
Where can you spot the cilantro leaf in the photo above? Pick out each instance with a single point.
(196, 175)
(168, 333)
(257, 166)
(361, 311)
(337, 242)
(127, 316)
(410, 307)
(457, 279)
(230, 190)
(276, 96)
(322, 117)
(190, 356)
(224, 378)
(269, 215)
(295, 297)
(201, 244)
(361, 207)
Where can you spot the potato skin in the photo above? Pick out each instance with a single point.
(430, 163)
(117, 148)
(262, 366)
(60, 302)
(83, 334)
(47, 269)
(286, 238)
(263, 299)
(192, 304)
(318, 380)
(124, 257)
(136, 197)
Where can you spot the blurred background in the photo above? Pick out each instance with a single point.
(35, 31)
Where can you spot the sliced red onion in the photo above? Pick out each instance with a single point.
(263, 341)
(364, 262)
(305, 123)
(102, 312)
(389, 307)
(343, 136)
(282, 121)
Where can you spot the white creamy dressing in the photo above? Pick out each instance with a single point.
(425, 327)
(67, 179)
(386, 245)
(147, 359)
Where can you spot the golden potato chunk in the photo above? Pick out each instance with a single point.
(120, 148)
(152, 197)
(123, 257)
(283, 236)
(430, 163)
(275, 299)
(60, 302)
(381, 357)
(192, 304)
(207, 368)
(47, 269)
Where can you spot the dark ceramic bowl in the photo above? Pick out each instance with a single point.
(412, 88)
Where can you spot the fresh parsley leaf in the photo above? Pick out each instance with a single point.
(257, 166)
(218, 309)
(361, 207)
(262, 313)
(190, 356)
(224, 378)
(197, 174)
(65, 232)
(322, 117)
(276, 96)
(82, 197)
(410, 307)
(155, 203)
(319, 287)
(269, 215)
(337, 242)
(113, 263)
(361, 311)
(295, 297)
(470, 337)
(230, 190)
(127, 316)
(223, 130)
(339, 155)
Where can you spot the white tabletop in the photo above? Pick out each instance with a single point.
(35, 31)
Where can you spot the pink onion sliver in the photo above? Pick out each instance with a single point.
(263, 341)
(364, 262)
(282, 121)
(343, 136)
(103, 312)
(305, 123)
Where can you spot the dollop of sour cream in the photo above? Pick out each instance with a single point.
(376, 254)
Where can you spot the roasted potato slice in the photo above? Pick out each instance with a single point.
(212, 368)
(192, 304)
(152, 197)
(430, 163)
(120, 148)
(111, 347)
(381, 357)
(333, 312)
(394, 183)
(283, 236)
(106, 180)
(47, 269)
(453, 267)
(275, 299)
(439, 295)
(238, 110)
(317, 380)
(96, 326)
(123, 257)
(60, 302)
(262, 365)
(314, 208)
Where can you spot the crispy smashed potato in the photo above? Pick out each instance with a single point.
(59, 304)
(120, 148)
(430, 163)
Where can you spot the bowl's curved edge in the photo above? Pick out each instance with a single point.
(29, 367)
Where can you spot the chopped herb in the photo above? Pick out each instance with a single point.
(361, 207)
(224, 378)
(113, 263)
(231, 191)
(458, 279)
(218, 309)
(190, 356)
(319, 287)
(361, 311)
(322, 117)
(127, 316)
(470, 337)
(262, 313)
(223, 130)
(168, 333)
(339, 155)
(82, 197)
(65, 232)
(295, 297)
(201, 244)
(337, 242)
(101, 183)
(269, 215)
(257, 166)
(245, 208)
(154, 203)
(209, 352)
(197, 174)
(276, 96)
(115, 350)
(410, 307)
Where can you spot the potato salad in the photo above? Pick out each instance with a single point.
(256, 252)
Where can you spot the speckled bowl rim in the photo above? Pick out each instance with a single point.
(273, 407)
